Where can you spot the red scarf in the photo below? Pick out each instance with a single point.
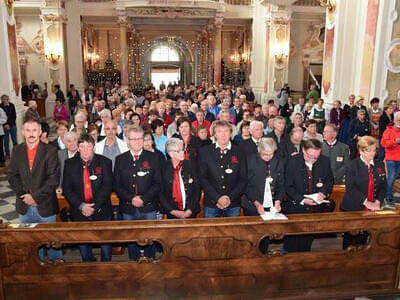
(176, 187)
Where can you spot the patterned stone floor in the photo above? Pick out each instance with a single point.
(7, 201)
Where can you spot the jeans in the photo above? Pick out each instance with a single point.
(87, 254)
(134, 248)
(393, 169)
(32, 216)
(87, 251)
(7, 132)
(213, 212)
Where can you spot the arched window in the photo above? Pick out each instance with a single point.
(164, 53)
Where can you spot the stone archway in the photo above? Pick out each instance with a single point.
(185, 63)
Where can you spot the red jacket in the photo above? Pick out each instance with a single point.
(388, 141)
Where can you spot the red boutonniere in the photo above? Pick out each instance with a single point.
(97, 170)
(234, 159)
(146, 165)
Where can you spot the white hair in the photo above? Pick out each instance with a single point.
(106, 111)
(255, 123)
(31, 103)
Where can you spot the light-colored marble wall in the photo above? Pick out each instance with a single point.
(29, 28)
(300, 33)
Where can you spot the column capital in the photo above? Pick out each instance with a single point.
(122, 17)
(50, 17)
(278, 16)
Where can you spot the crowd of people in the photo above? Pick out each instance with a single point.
(159, 149)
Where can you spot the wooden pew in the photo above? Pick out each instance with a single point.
(206, 258)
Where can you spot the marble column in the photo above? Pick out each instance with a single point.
(123, 21)
(278, 39)
(10, 80)
(259, 53)
(55, 46)
(74, 45)
(355, 49)
(217, 51)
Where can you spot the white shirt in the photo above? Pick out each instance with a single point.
(60, 143)
(182, 190)
(71, 154)
(228, 147)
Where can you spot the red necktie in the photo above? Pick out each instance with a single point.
(309, 180)
(176, 188)
(87, 185)
(136, 157)
(371, 187)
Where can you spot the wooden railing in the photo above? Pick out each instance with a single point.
(205, 258)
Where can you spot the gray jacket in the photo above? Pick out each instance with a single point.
(339, 156)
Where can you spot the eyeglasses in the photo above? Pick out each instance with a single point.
(135, 139)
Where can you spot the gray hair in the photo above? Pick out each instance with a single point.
(396, 115)
(267, 144)
(31, 103)
(70, 134)
(135, 128)
(106, 111)
(279, 118)
(172, 144)
(255, 123)
(333, 126)
(80, 117)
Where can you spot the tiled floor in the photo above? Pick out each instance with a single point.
(7, 201)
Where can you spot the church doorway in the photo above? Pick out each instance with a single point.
(168, 59)
(165, 75)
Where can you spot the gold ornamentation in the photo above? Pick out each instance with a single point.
(9, 5)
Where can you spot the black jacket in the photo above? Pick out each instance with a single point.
(222, 176)
(10, 112)
(193, 147)
(256, 174)
(357, 184)
(296, 182)
(132, 178)
(190, 181)
(102, 184)
(248, 147)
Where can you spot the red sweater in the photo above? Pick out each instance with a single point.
(388, 141)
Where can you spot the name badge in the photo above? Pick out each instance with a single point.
(93, 177)
(190, 180)
(228, 171)
(141, 173)
(319, 185)
(339, 159)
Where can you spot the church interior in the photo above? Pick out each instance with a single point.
(343, 47)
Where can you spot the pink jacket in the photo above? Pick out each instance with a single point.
(61, 113)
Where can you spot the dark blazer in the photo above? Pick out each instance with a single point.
(296, 182)
(100, 166)
(384, 121)
(55, 144)
(193, 147)
(214, 178)
(288, 149)
(62, 157)
(41, 182)
(357, 128)
(248, 146)
(238, 114)
(209, 117)
(190, 181)
(256, 174)
(142, 176)
(357, 184)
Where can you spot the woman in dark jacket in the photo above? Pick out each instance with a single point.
(265, 189)
(180, 196)
(191, 143)
(365, 185)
